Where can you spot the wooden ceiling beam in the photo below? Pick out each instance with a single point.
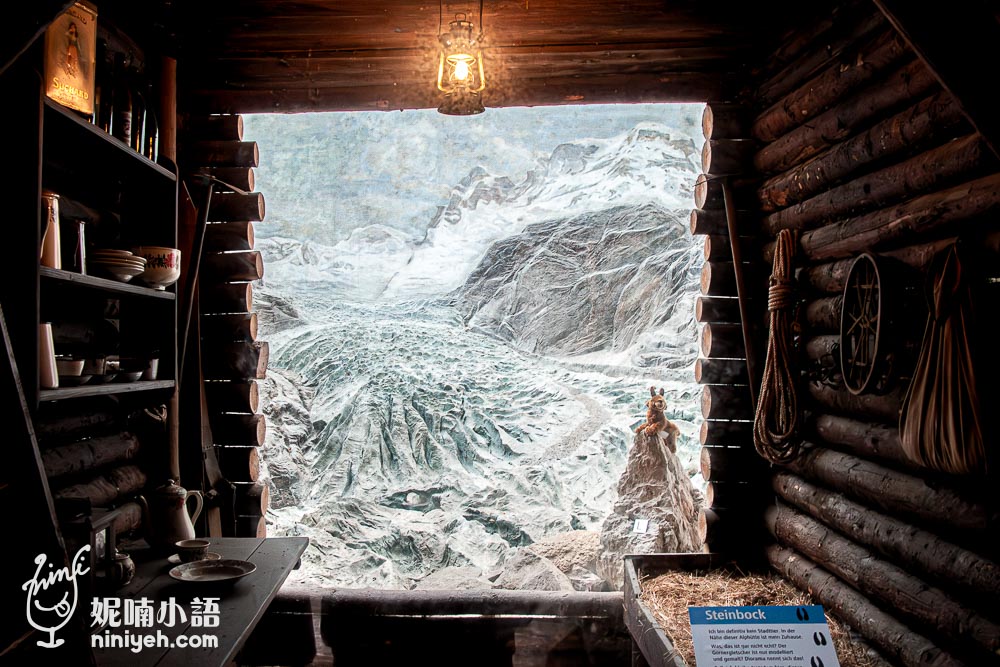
(606, 89)
(958, 42)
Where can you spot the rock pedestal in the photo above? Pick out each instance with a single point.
(654, 490)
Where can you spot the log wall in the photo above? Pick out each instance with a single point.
(233, 359)
(868, 153)
(723, 199)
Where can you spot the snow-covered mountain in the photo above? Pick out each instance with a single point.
(439, 399)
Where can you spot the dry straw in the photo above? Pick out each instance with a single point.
(669, 595)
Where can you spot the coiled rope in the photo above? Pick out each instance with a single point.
(776, 422)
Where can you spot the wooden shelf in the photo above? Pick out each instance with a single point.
(95, 134)
(103, 284)
(103, 389)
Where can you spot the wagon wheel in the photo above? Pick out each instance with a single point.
(861, 324)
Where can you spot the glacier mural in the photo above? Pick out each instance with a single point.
(464, 319)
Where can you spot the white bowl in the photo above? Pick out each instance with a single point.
(163, 265)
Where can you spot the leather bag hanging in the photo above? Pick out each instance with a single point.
(939, 425)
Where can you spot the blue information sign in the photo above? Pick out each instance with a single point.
(762, 636)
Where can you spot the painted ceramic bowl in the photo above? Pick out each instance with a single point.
(163, 265)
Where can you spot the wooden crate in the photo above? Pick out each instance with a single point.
(652, 646)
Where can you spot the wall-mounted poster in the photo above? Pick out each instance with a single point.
(70, 48)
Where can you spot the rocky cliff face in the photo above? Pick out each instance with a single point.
(655, 491)
(610, 281)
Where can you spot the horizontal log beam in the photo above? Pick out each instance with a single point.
(927, 172)
(913, 80)
(718, 248)
(720, 371)
(832, 276)
(97, 452)
(719, 401)
(238, 429)
(934, 118)
(237, 361)
(833, 84)
(222, 154)
(231, 266)
(69, 421)
(724, 432)
(735, 495)
(213, 128)
(862, 439)
(232, 179)
(251, 499)
(636, 87)
(732, 464)
(725, 121)
(367, 602)
(895, 640)
(882, 580)
(233, 206)
(239, 464)
(232, 396)
(726, 156)
(226, 298)
(947, 41)
(884, 408)
(717, 309)
(718, 279)
(921, 216)
(230, 327)
(811, 48)
(251, 526)
(725, 341)
(229, 236)
(102, 491)
(823, 315)
(912, 547)
(894, 492)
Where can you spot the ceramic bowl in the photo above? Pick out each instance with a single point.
(129, 376)
(163, 265)
(121, 272)
(191, 550)
(67, 366)
(73, 380)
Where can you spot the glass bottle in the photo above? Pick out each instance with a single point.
(121, 113)
(103, 88)
(138, 109)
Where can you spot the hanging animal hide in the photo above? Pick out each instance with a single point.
(940, 425)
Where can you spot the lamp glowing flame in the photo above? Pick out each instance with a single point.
(460, 70)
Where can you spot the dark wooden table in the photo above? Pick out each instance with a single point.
(241, 603)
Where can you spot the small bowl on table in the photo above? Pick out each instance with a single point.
(163, 265)
(192, 550)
